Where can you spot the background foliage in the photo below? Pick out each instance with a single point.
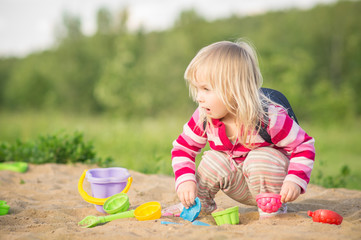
(56, 148)
(313, 56)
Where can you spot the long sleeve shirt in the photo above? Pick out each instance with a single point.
(286, 135)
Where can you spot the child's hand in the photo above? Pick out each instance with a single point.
(187, 192)
(290, 192)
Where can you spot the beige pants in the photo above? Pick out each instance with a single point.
(263, 170)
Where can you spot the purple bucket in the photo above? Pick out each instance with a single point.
(106, 182)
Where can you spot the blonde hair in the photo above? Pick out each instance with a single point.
(233, 72)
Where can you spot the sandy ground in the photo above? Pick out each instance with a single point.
(45, 204)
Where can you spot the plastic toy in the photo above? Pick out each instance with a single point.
(173, 211)
(192, 212)
(92, 221)
(148, 211)
(20, 167)
(326, 216)
(116, 203)
(196, 222)
(199, 223)
(167, 222)
(269, 202)
(105, 182)
(228, 216)
(4, 208)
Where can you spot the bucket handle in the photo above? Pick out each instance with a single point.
(93, 200)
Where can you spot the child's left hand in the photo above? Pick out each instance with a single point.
(290, 191)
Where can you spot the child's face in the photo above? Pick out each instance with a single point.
(209, 101)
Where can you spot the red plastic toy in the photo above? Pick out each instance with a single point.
(326, 216)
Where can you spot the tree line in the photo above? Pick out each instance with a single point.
(313, 56)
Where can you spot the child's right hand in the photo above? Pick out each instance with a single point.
(187, 192)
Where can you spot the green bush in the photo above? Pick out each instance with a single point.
(57, 148)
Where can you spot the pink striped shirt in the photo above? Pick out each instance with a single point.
(287, 136)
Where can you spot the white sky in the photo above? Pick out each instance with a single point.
(28, 25)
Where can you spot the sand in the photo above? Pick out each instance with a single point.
(45, 204)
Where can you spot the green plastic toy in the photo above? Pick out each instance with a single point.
(4, 208)
(92, 221)
(228, 216)
(20, 167)
(116, 203)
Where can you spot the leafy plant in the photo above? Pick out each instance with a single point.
(57, 148)
(337, 181)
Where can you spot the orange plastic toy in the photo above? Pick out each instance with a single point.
(326, 216)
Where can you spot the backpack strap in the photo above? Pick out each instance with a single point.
(278, 98)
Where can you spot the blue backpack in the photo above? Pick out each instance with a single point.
(280, 99)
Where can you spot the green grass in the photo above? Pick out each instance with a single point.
(338, 149)
(145, 145)
(142, 145)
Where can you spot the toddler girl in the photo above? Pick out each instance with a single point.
(225, 80)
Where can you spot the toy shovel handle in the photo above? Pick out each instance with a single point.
(85, 195)
(127, 214)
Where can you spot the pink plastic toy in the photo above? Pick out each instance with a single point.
(326, 216)
(269, 202)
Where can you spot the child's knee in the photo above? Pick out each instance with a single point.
(214, 165)
(265, 159)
